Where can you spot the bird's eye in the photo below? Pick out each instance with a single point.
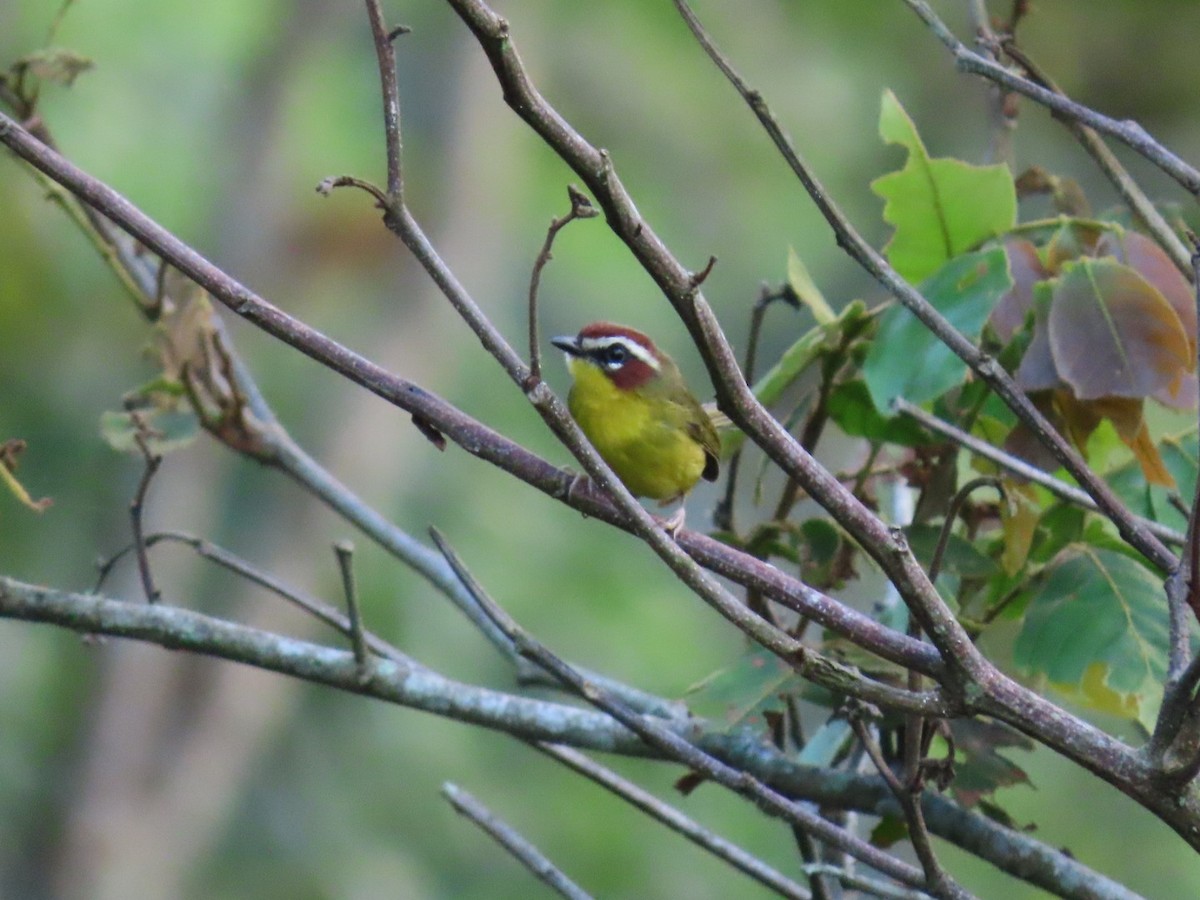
(615, 356)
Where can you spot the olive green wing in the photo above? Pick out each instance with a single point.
(701, 429)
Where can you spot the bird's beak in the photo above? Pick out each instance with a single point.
(569, 345)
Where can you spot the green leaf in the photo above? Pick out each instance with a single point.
(961, 556)
(827, 745)
(906, 359)
(1096, 628)
(850, 406)
(940, 207)
(806, 289)
(808, 349)
(980, 768)
(796, 359)
(744, 691)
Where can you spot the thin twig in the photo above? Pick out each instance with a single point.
(669, 743)
(581, 208)
(1131, 192)
(1020, 468)
(511, 840)
(956, 504)
(137, 506)
(344, 551)
(723, 515)
(675, 820)
(1128, 131)
(319, 609)
(385, 53)
(1001, 110)
(938, 882)
(872, 887)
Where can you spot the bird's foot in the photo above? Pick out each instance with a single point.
(674, 523)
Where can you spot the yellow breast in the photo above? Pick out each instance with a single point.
(637, 435)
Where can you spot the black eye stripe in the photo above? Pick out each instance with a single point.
(615, 355)
(612, 353)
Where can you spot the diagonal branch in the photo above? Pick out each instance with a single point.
(1127, 132)
(675, 747)
(735, 398)
(675, 820)
(519, 846)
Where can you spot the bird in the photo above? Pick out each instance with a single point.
(633, 404)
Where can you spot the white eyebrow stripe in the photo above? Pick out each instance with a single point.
(593, 345)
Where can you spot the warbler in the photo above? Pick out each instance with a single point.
(634, 406)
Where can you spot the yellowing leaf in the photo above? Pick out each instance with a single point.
(1096, 625)
(9, 451)
(1125, 413)
(1093, 691)
(1018, 520)
(806, 289)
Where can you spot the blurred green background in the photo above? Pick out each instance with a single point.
(132, 771)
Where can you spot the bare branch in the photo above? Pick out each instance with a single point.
(581, 208)
(676, 821)
(940, 884)
(385, 53)
(1128, 132)
(344, 551)
(507, 837)
(418, 688)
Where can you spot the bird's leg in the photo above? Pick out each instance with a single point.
(673, 524)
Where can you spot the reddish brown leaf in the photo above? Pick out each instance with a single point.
(1145, 256)
(1150, 261)
(1126, 414)
(1079, 418)
(1021, 441)
(1036, 371)
(1026, 269)
(1113, 334)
